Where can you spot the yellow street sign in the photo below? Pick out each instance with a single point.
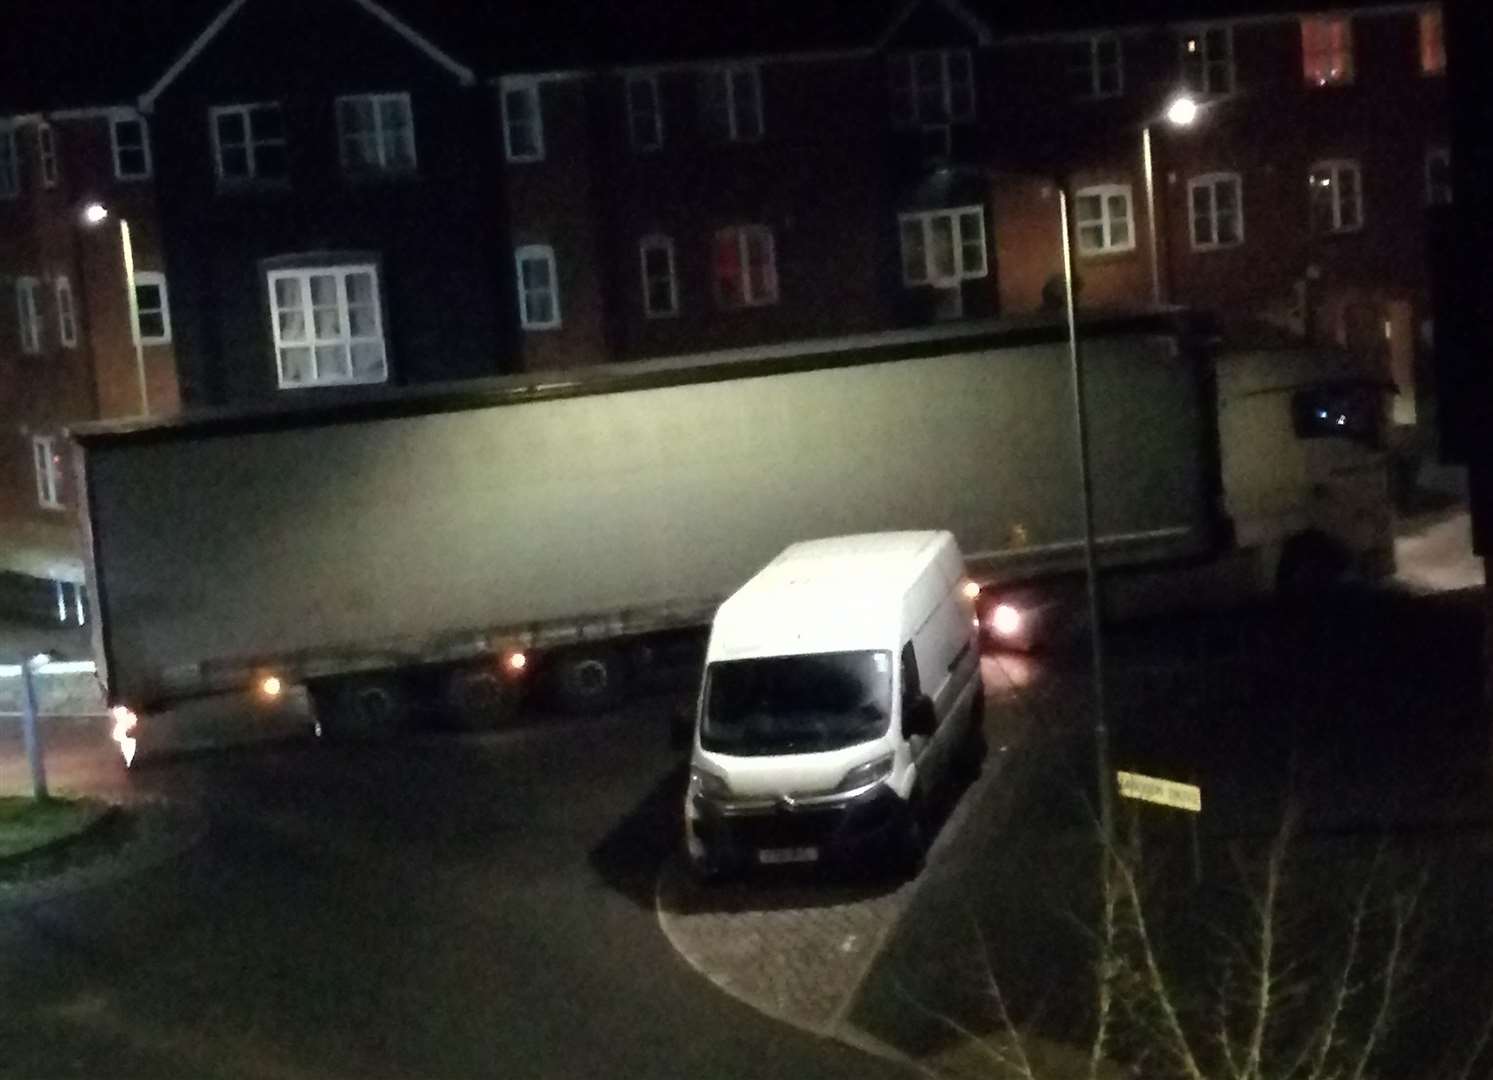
(1163, 792)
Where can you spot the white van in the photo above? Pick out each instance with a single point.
(842, 683)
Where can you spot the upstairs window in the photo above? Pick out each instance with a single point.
(746, 267)
(46, 154)
(152, 309)
(538, 287)
(10, 169)
(327, 326)
(130, 143)
(376, 133)
(731, 103)
(67, 314)
(932, 88)
(943, 247)
(249, 143)
(47, 467)
(1208, 61)
(28, 316)
(523, 122)
(645, 118)
(1438, 176)
(1337, 197)
(1097, 69)
(1327, 50)
(660, 288)
(1432, 44)
(1105, 219)
(1217, 211)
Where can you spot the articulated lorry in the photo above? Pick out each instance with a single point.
(448, 545)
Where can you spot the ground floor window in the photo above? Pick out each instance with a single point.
(943, 247)
(538, 287)
(327, 325)
(1105, 219)
(746, 267)
(46, 461)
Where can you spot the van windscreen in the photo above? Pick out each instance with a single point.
(796, 704)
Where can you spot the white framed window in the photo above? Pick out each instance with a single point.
(10, 163)
(1327, 50)
(943, 247)
(1208, 60)
(1432, 43)
(1216, 205)
(376, 133)
(660, 287)
(46, 154)
(152, 308)
(523, 120)
(249, 142)
(327, 325)
(1438, 176)
(731, 103)
(1337, 196)
(129, 143)
(538, 287)
(46, 462)
(645, 117)
(932, 88)
(28, 315)
(67, 314)
(1097, 69)
(1105, 219)
(746, 267)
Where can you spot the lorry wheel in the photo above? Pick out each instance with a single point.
(480, 699)
(1309, 562)
(588, 680)
(362, 707)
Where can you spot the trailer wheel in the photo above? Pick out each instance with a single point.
(362, 707)
(588, 680)
(480, 699)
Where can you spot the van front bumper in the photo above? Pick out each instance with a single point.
(734, 836)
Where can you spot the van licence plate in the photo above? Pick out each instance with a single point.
(788, 855)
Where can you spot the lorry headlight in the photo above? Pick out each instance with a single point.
(867, 774)
(704, 782)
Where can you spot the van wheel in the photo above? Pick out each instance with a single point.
(588, 680)
(362, 707)
(910, 847)
(972, 751)
(480, 699)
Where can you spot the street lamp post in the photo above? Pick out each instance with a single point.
(95, 214)
(1182, 112)
(30, 734)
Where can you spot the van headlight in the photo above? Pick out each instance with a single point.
(704, 782)
(866, 775)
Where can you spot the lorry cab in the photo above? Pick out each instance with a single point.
(842, 682)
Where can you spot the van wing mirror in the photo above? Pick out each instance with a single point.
(918, 717)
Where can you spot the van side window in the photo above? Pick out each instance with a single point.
(911, 687)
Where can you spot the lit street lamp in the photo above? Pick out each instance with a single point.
(95, 214)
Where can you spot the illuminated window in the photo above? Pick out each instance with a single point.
(376, 133)
(1438, 176)
(327, 326)
(1217, 211)
(523, 120)
(130, 143)
(1098, 67)
(1337, 197)
(1208, 60)
(731, 103)
(249, 143)
(645, 118)
(152, 308)
(47, 467)
(1104, 219)
(943, 247)
(46, 154)
(746, 267)
(660, 289)
(28, 315)
(1432, 45)
(67, 314)
(1327, 50)
(538, 287)
(10, 166)
(932, 88)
